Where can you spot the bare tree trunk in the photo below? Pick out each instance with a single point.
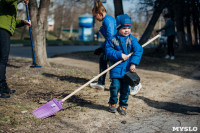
(71, 31)
(71, 13)
(179, 5)
(86, 5)
(188, 12)
(198, 16)
(150, 27)
(118, 7)
(93, 24)
(159, 6)
(61, 25)
(195, 21)
(39, 23)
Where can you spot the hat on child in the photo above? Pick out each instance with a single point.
(123, 21)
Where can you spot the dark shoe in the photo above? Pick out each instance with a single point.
(9, 91)
(4, 96)
(112, 108)
(121, 110)
(5, 88)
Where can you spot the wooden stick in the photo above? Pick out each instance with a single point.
(105, 71)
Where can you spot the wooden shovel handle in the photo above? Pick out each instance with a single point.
(105, 71)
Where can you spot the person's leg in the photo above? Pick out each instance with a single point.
(114, 89)
(100, 84)
(123, 99)
(4, 53)
(170, 42)
(168, 46)
(102, 67)
(124, 94)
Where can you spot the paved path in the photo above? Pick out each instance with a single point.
(22, 51)
(26, 51)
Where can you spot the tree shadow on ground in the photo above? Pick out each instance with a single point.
(67, 78)
(84, 103)
(10, 65)
(154, 60)
(73, 100)
(171, 107)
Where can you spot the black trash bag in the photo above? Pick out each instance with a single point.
(131, 78)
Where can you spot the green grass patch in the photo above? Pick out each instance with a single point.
(2, 118)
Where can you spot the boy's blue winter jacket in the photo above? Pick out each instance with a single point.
(108, 28)
(114, 49)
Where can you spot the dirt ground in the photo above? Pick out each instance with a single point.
(169, 97)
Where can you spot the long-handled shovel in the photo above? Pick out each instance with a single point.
(33, 52)
(54, 106)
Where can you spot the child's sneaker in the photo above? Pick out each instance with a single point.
(96, 85)
(112, 108)
(121, 110)
(167, 57)
(136, 89)
(172, 57)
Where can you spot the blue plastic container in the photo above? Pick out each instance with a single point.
(85, 27)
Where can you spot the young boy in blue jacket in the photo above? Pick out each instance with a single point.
(118, 48)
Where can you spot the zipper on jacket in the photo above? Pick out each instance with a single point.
(11, 23)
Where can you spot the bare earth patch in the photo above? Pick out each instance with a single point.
(169, 97)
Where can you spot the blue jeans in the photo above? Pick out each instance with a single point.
(4, 52)
(102, 66)
(118, 85)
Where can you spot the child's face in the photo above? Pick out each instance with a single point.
(98, 16)
(125, 31)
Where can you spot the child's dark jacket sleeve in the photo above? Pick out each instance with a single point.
(137, 51)
(167, 25)
(112, 54)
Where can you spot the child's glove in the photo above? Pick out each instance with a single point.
(98, 51)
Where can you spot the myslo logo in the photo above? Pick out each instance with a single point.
(186, 129)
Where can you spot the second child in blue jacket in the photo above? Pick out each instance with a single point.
(118, 48)
(108, 30)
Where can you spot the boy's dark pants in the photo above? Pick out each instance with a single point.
(118, 85)
(4, 52)
(102, 66)
(170, 42)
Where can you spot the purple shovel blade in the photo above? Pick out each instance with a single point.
(48, 109)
